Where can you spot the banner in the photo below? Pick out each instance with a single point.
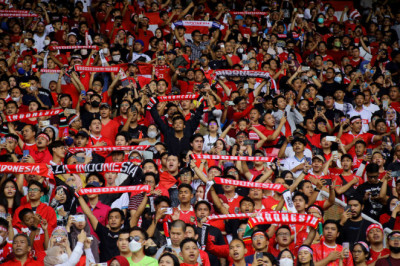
(124, 167)
(202, 26)
(238, 183)
(26, 168)
(51, 112)
(243, 73)
(252, 13)
(111, 190)
(284, 218)
(73, 47)
(46, 70)
(110, 148)
(114, 69)
(232, 158)
(271, 217)
(17, 14)
(177, 97)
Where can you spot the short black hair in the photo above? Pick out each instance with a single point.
(36, 183)
(55, 144)
(185, 186)
(331, 221)
(300, 194)
(23, 212)
(202, 202)
(187, 240)
(116, 210)
(155, 176)
(160, 199)
(137, 228)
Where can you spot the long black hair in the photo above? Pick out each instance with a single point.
(17, 196)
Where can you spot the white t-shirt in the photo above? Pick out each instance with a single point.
(365, 116)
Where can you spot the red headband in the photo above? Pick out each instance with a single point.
(43, 136)
(372, 226)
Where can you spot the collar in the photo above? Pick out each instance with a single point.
(191, 208)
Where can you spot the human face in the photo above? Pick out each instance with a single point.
(375, 236)
(186, 178)
(299, 204)
(255, 194)
(95, 126)
(197, 144)
(200, 192)
(307, 189)
(355, 208)
(304, 256)
(166, 261)
(123, 243)
(110, 177)
(246, 207)
(172, 163)
(330, 232)
(260, 242)
(373, 178)
(178, 125)
(184, 195)
(28, 134)
(34, 192)
(9, 190)
(317, 165)
(190, 253)
(237, 250)
(298, 147)
(394, 240)
(20, 246)
(356, 126)
(177, 235)
(283, 237)
(202, 211)
(358, 254)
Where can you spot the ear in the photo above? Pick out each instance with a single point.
(180, 254)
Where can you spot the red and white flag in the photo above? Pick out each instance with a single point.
(109, 148)
(177, 97)
(103, 69)
(239, 183)
(232, 158)
(134, 190)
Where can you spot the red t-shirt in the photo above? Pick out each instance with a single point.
(110, 130)
(188, 217)
(321, 251)
(374, 255)
(347, 138)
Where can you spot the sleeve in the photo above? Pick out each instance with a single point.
(163, 127)
(195, 120)
(75, 256)
(217, 250)
(89, 256)
(238, 115)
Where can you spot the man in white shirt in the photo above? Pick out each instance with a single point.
(367, 103)
(359, 110)
(296, 163)
(136, 53)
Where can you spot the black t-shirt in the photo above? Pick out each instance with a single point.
(353, 232)
(371, 208)
(108, 242)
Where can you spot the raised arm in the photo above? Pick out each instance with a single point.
(89, 214)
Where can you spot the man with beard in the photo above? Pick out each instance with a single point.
(394, 246)
(375, 239)
(353, 225)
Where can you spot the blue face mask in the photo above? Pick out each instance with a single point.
(21, 71)
(338, 79)
(320, 20)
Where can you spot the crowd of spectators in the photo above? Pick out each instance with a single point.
(316, 90)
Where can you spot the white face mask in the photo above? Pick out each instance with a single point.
(84, 52)
(152, 134)
(116, 58)
(64, 257)
(46, 42)
(240, 50)
(105, 50)
(16, 99)
(134, 246)
(285, 262)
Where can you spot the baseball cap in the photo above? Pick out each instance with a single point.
(299, 131)
(140, 41)
(105, 105)
(319, 157)
(239, 17)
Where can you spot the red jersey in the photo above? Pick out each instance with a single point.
(234, 203)
(110, 130)
(42, 156)
(322, 250)
(375, 255)
(5, 250)
(270, 203)
(347, 138)
(188, 217)
(94, 140)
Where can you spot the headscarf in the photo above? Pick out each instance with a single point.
(122, 261)
(52, 256)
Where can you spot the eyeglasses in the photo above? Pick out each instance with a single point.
(394, 238)
(258, 238)
(33, 190)
(136, 238)
(136, 157)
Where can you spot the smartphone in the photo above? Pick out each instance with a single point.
(3, 140)
(168, 210)
(319, 109)
(71, 111)
(230, 103)
(90, 238)
(395, 173)
(309, 160)
(25, 153)
(328, 182)
(83, 93)
(385, 104)
(259, 255)
(347, 208)
(369, 152)
(130, 41)
(223, 152)
(248, 142)
(346, 246)
(45, 123)
(330, 138)
(305, 68)
(79, 218)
